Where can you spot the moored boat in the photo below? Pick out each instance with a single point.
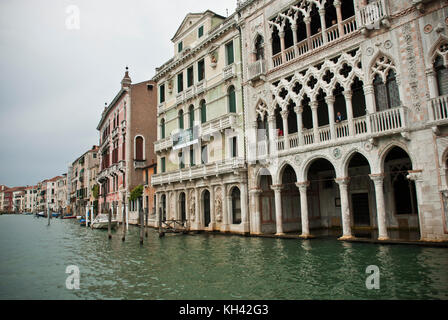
(102, 222)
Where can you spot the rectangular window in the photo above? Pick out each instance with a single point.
(180, 46)
(180, 82)
(192, 157)
(190, 77)
(181, 161)
(234, 142)
(201, 70)
(200, 31)
(229, 53)
(162, 93)
(204, 155)
(163, 165)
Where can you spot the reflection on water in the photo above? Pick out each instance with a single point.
(34, 259)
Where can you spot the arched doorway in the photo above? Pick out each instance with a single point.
(324, 201)
(236, 206)
(361, 191)
(183, 207)
(267, 204)
(401, 195)
(163, 208)
(206, 208)
(290, 200)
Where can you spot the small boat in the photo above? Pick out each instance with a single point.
(69, 217)
(83, 222)
(102, 222)
(41, 214)
(55, 215)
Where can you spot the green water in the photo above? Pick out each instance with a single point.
(34, 258)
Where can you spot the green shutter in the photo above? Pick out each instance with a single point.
(201, 70)
(232, 100)
(201, 31)
(230, 56)
(180, 82)
(181, 120)
(163, 165)
(162, 93)
(203, 112)
(180, 46)
(191, 118)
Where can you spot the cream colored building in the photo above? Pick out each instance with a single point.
(201, 170)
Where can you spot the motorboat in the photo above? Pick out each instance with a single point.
(69, 217)
(41, 214)
(102, 222)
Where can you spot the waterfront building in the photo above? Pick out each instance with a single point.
(2, 197)
(201, 170)
(51, 195)
(18, 199)
(84, 171)
(30, 198)
(61, 194)
(149, 196)
(127, 132)
(41, 196)
(347, 114)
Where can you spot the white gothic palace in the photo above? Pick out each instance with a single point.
(344, 118)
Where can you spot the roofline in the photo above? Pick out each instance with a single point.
(206, 12)
(84, 154)
(110, 107)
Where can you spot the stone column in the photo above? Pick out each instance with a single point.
(378, 180)
(303, 187)
(212, 208)
(432, 83)
(197, 209)
(416, 176)
(294, 36)
(256, 222)
(285, 115)
(281, 34)
(253, 152)
(331, 116)
(278, 208)
(299, 113)
(337, 5)
(272, 133)
(244, 210)
(369, 94)
(314, 106)
(349, 106)
(225, 211)
(323, 25)
(307, 21)
(345, 208)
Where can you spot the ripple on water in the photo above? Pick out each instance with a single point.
(34, 258)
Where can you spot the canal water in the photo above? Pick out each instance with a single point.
(34, 258)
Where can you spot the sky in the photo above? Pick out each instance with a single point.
(61, 61)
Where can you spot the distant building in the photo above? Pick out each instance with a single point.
(128, 129)
(83, 175)
(30, 198)
(2, 195)
(61, 194)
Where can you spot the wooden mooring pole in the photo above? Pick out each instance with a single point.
(48, 214)
(146, 222)
(109, 225)
(123, 237)
(142, 222)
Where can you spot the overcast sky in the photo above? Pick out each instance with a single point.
(55, 80)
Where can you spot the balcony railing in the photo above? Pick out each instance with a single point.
(229, 72)
(198, 172)
(370, 126)
(221, 123)
(256, 69)
(139, 164)
(315, 42)
(180, 98)
(163, 144)
(371, 15)
(438, 109)
(200, 87)
(189, 93)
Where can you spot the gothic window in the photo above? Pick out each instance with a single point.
(387, 94)
(181, 119)
(276, 48)
(442, 76)
(259, 48)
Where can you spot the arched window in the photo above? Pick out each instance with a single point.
(232, 100)
(203, 111)
(181, 119)
(442, 76)
(236, 206)
(191, 116)
(393, 95)
(139, 149)
(259, 48)
(162, 129)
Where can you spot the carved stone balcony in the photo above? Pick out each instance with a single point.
(373, 16)
(200, 87)
(229, 72)
(224, 122)
(438, 110)
(198, 172)
(139, 164)
(163, 144)
(256, 70)
(180, 98)
(189, 93)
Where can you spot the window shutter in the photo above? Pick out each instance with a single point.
(232, 100)
(203, 112)
(230, 56)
